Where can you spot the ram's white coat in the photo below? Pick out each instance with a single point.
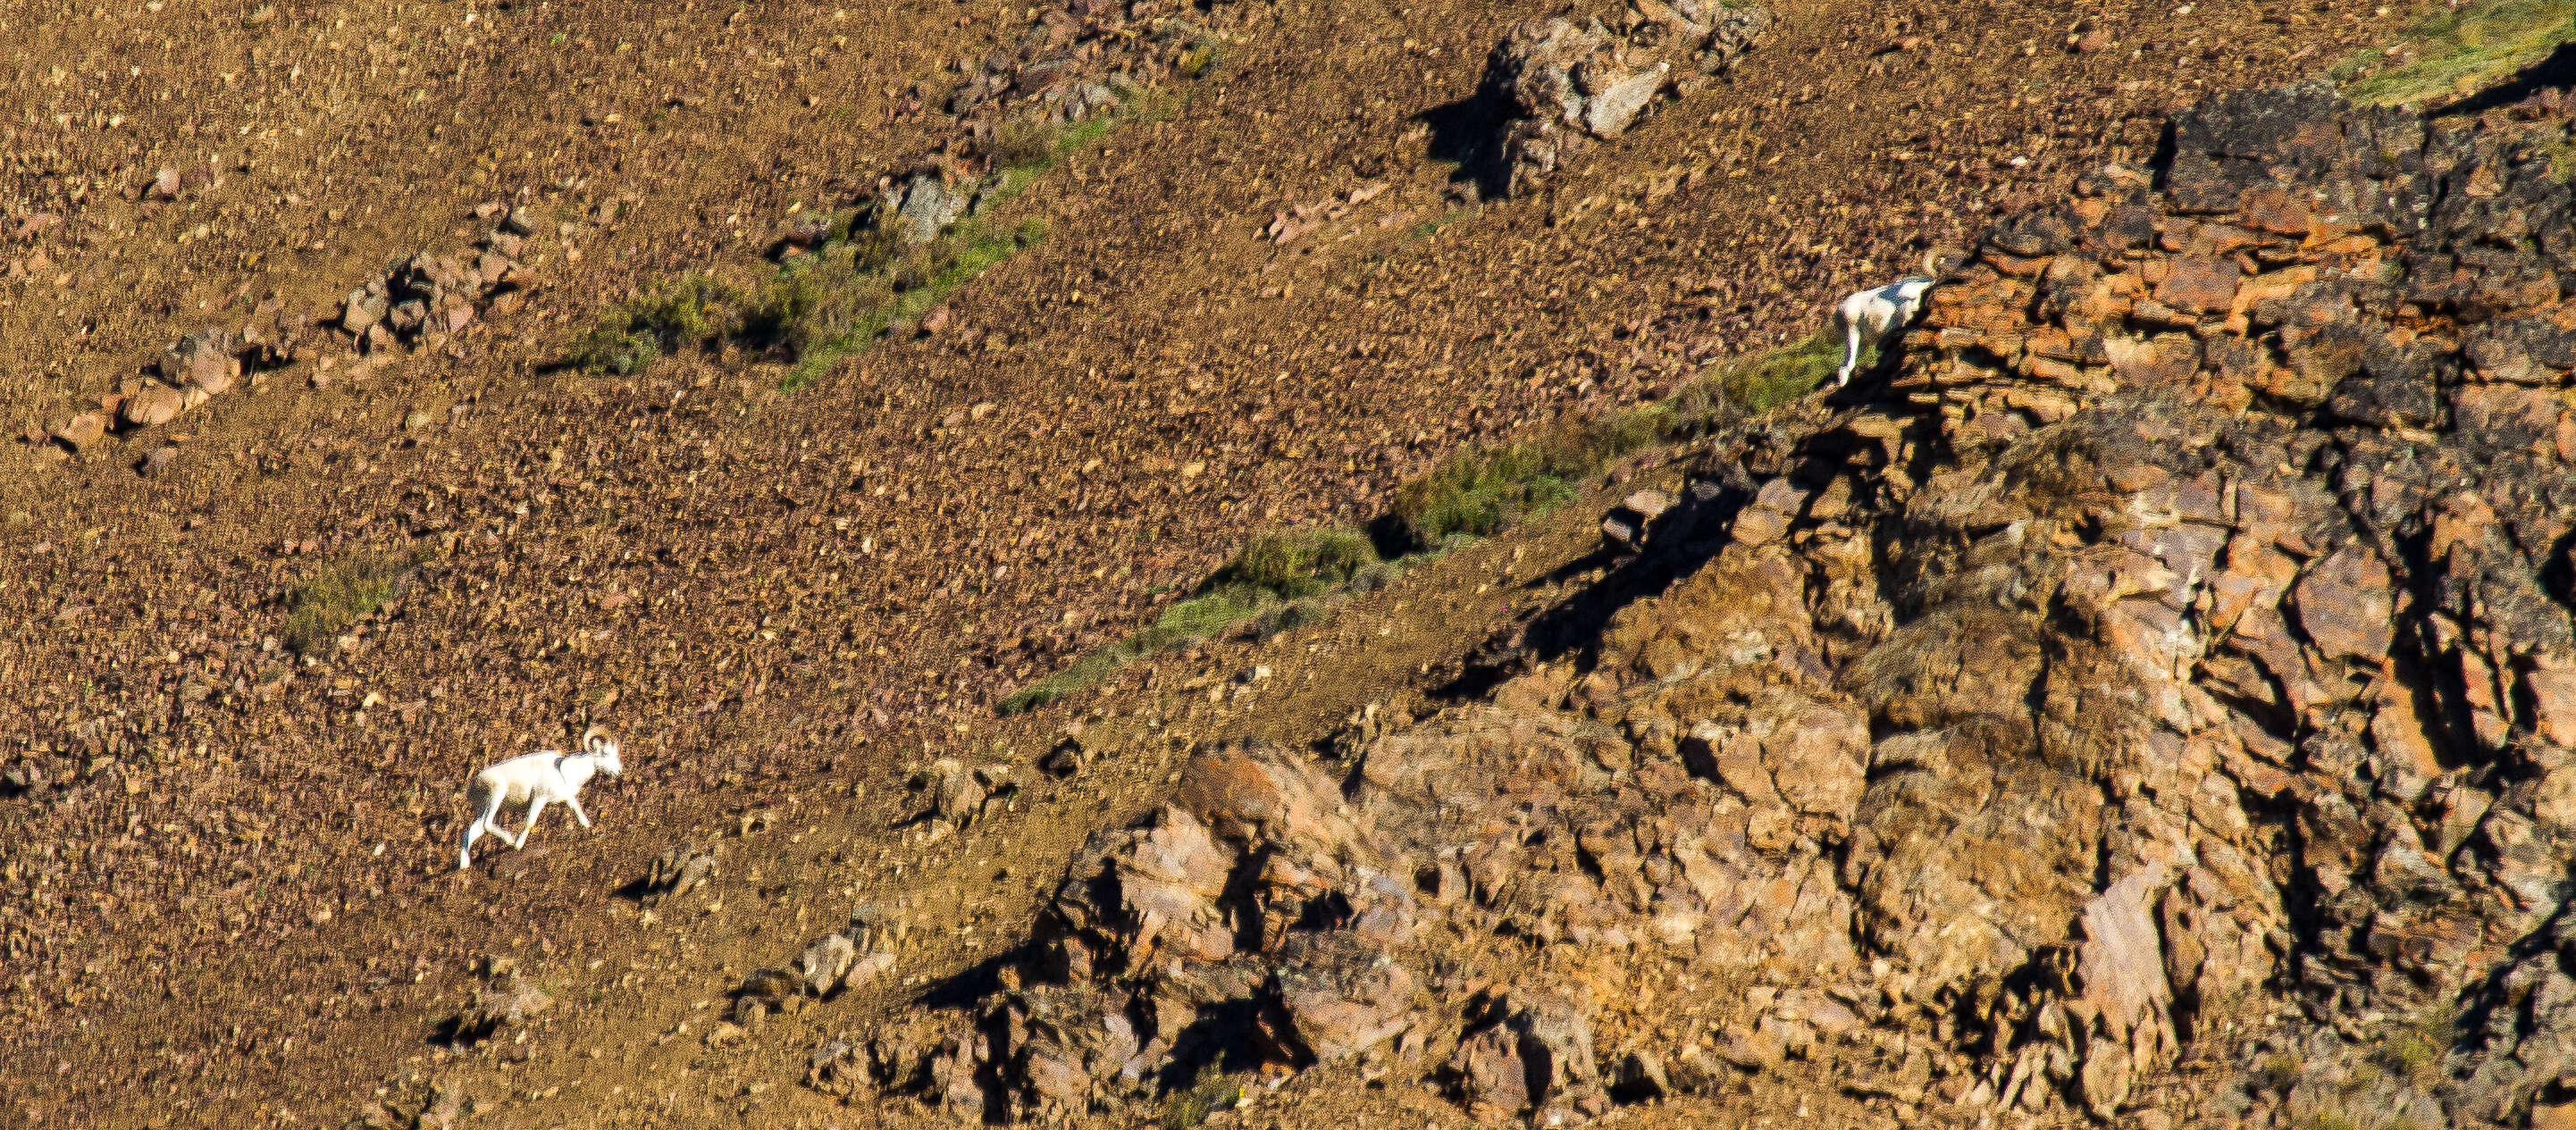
(536, 780)
(1874, 317)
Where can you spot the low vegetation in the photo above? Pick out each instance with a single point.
(684, 312)
(1201, 60)
(1766, 381)
(2415, 1052)
(1485, 490)
(861, 282)
(352, 587)
(1281, 581)
(1300, 563)
(1288, 579)
(844, 299)
(2458, 51)
(1190, 1106)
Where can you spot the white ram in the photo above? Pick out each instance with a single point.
(536, 780)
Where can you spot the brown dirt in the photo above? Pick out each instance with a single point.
(797, 599)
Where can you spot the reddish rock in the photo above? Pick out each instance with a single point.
(1335, 996)
(2168, 359)
(2552, 687)
(2344, 605)
(2205, 284)
(153, 406)
(202, 360)
(83, 431)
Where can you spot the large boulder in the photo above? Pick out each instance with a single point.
(1567, 85)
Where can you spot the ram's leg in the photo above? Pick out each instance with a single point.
(575, 803)
(536, 805)
(1851, 349)
(474, 831)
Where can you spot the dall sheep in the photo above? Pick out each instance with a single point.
(536, 780)
(1875, 316)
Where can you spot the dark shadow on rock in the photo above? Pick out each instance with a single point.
(1676, 544)
(448, 1033)
(1223, 1036)
(2558, 571)
(969, 987)
(1468, 133)
(2168, 144)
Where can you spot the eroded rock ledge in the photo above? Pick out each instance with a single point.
(2162, 696)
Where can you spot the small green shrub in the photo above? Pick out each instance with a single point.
(822, 307)
(2559, 149)
(1190, 1107)
(613, 347)
(1290, 616)
(1377, 576)
(1300, 563)
(816, 302)
(353, 586)
(1784, 375)
(1082, 133)
(2278, 1073)
(2415, 1053)
(628, 337)
(1020, 144)
(1200, 59)
(1204, 616)
(918, 266)
(1487, 489)
(1083, 674)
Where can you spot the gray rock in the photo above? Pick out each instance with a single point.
(928, 205)
(825, 963)
(364, 308)
(677, 871)
(1610, 113)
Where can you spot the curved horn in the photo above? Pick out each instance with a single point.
(593, 736)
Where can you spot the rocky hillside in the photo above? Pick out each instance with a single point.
(2154, 700)
(402, 387)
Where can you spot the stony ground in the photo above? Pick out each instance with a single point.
(229, 867)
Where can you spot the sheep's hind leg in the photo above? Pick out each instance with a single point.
(535, 806)
(474, 831)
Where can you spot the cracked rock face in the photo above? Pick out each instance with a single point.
(2172, 664)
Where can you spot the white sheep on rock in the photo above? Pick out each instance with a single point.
(1872, 318)
(1875, 317)
(536, 780)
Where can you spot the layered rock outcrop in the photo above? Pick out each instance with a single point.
(2169, 662)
